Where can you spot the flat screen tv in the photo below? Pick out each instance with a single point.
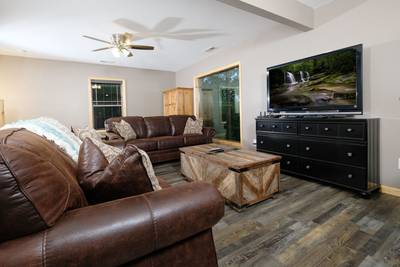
(326, 83)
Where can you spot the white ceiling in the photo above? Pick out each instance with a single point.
(53, 29)
(315, 3)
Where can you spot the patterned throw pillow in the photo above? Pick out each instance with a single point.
(110, 152)
(193, 126)
(149, 169)
(86, 132)
(125, 130)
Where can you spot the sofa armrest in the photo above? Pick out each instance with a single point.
(117, 232)
(209, 131)
(120, 143)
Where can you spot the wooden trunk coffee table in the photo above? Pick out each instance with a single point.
(244, 177)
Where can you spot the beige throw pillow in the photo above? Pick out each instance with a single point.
(110, 152)
(86, 132)
(193, 126)
(125, 130)
(149, 169)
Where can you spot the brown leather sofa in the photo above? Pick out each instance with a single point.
(45, 219)
(160, 136)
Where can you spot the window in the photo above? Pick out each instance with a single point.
(107, 99)
(219, 102)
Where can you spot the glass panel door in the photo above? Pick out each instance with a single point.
(219, 103)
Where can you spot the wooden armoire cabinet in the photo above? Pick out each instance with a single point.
(178, 101)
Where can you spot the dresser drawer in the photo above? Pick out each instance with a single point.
(286, 145)
(275, 126)
(338, 152)
(328, 129)
(262, 126)
(308, 128)
(289, 127)
(277, 143)
(353, 131)
(262, 142)
(338, 174)
(289, 163)
(352, 154)
(318, 150)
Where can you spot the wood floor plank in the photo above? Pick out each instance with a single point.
(307, 224)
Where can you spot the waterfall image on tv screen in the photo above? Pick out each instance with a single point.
(321, 81)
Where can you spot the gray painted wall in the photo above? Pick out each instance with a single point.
(374, 23)
(59, 89)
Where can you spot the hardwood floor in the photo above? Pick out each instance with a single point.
(307, 224)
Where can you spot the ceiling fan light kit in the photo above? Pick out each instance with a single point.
(120, 45)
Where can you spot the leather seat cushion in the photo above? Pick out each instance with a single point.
(195, 139)
(168, 142)
(146, 144)
(157, 126)
(37, 184)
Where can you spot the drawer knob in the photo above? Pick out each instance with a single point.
(261, 142)
(273, 126)
(308, 148)
(349, 154)
(288, 162)
(261, 125)
(288, 145)
(349, 130)
(326, 129)
(307, 128)
(287, 126)
(349, 176)
(308, 167)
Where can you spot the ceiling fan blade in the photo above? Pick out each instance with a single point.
(96, 39)
(190, 37)
(131, 25)
(167, 24)
(103, 48)
(141, 47)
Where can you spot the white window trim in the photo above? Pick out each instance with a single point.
(123, 95)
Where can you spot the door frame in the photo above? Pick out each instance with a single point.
(196, 99)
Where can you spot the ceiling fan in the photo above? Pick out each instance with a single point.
(120, 44)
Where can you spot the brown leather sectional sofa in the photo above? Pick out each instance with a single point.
(160, 136)
(45, 219)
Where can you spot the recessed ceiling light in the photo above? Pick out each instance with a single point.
(210, 49)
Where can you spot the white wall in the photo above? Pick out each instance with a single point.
(59, 89)
(375, 23)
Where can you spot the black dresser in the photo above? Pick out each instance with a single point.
(343, 151)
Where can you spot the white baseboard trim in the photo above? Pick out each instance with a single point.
(390, 190)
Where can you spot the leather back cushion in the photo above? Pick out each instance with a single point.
(157, 126)
(178, 123)
(125, 176)
(37, 184)
(137, 123)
